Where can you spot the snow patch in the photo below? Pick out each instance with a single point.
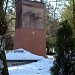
(37, 68)
(41, 67)
(21, 54)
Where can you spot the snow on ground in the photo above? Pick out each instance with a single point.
(40, 67)
(37, 68)
(21, 54)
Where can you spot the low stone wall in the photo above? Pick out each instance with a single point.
(19, 62)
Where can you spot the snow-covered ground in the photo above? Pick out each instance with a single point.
(40, 67)
(37, 68)
(21, 54)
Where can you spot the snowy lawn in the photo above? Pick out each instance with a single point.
(41, 67)
(37, 68)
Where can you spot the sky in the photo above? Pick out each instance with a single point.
(60, 5)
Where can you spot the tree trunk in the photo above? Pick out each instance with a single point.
(3, 63)
(74, 16)
(3, 29)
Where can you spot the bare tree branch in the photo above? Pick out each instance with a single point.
(6, 6)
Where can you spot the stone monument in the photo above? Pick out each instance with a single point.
(30, 30)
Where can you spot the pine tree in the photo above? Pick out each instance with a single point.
(64, 63)
(3, 29)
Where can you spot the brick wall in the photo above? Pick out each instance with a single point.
(31, 40)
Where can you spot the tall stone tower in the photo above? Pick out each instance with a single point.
(30, 30)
